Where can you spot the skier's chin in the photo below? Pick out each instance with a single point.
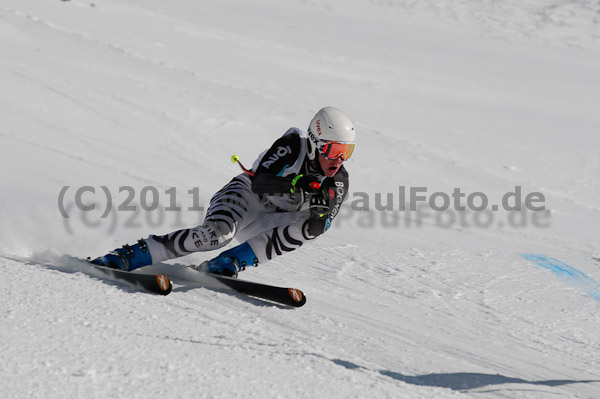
(331, 171)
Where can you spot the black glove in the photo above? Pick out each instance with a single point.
(319, 205)
(319, 209)
(307, 183)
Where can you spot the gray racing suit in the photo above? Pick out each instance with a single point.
(261, 210)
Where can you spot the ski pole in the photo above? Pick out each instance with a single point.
(236, 159)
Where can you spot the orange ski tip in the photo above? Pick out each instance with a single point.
(295, 294)
(163, 283)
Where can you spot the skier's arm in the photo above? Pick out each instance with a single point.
(268, 184)
(325, 207)
(268, 177)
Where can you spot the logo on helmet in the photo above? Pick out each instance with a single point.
(312, 136)
(319, 127)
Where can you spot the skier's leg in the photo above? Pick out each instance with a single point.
(284, 237)
(231, 208)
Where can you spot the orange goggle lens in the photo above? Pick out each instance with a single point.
(336, 149)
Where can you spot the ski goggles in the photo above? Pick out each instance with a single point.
(335, 149)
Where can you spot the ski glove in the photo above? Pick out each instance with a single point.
(319, 205)
(319, 209)
(307, 183)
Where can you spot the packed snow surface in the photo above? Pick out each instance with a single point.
(139, 104)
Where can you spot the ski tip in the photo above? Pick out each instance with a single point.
(164, 284)
(297, 296)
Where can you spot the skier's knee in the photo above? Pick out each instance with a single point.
(217, 234)
(316, 227)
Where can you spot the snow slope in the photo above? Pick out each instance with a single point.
(151, 95)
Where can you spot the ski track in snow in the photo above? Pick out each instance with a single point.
(479, 95)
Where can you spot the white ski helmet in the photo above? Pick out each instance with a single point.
(330, 125)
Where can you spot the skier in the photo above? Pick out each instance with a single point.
(290, 196)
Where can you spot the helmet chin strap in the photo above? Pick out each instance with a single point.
(314, 163)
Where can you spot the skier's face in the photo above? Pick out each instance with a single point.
(330, 166)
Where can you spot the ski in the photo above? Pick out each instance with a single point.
(281, 295)
(154, 283)
(285, 296)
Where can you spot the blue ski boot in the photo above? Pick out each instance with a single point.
(127, 258)
(230, 262)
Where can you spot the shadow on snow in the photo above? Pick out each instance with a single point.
(462, 381)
